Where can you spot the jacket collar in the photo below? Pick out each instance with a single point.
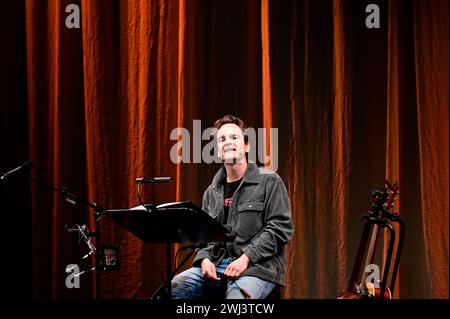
(250, 176)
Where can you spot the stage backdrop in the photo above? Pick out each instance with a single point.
(93, 107)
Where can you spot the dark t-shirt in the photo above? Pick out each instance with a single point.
(220, 250)
(228, 191)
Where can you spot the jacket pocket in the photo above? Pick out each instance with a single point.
(249, 219)
(212, 210)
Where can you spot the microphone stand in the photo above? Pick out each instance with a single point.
(98, 213)
(168, 283)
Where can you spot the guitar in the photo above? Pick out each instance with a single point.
(383, 201)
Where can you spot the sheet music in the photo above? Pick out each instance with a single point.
(169, 204)
(140, 207)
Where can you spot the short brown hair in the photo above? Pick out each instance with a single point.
(231, 119)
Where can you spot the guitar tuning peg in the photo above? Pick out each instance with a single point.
(388, 184)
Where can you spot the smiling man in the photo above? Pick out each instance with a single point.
(254, 205)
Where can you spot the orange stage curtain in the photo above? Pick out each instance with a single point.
(95, 108)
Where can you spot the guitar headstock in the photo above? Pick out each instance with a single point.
(392, 191)
(384, 197)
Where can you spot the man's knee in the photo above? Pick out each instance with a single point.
(249, 287)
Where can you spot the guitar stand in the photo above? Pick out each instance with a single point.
(386, 222)
(378, 218)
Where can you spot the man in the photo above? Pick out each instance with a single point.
(253, 203)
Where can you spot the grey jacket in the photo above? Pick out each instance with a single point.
(259, 217)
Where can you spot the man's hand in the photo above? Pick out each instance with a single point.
(209, 270)
(236, 268)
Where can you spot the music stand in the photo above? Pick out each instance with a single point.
(171, 223)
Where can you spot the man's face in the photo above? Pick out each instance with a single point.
(231, 144)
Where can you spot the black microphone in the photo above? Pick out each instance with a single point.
(26, 165)
(149, 180)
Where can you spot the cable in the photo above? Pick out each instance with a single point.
(139, 193)
(91, 246)
(231, 281)
(176, 256)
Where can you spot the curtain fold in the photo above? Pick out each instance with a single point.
(352, 106)
(431, 73)
(340, 147)
(392, 118)
(133, 70)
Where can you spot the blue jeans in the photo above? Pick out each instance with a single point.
(190, 284)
